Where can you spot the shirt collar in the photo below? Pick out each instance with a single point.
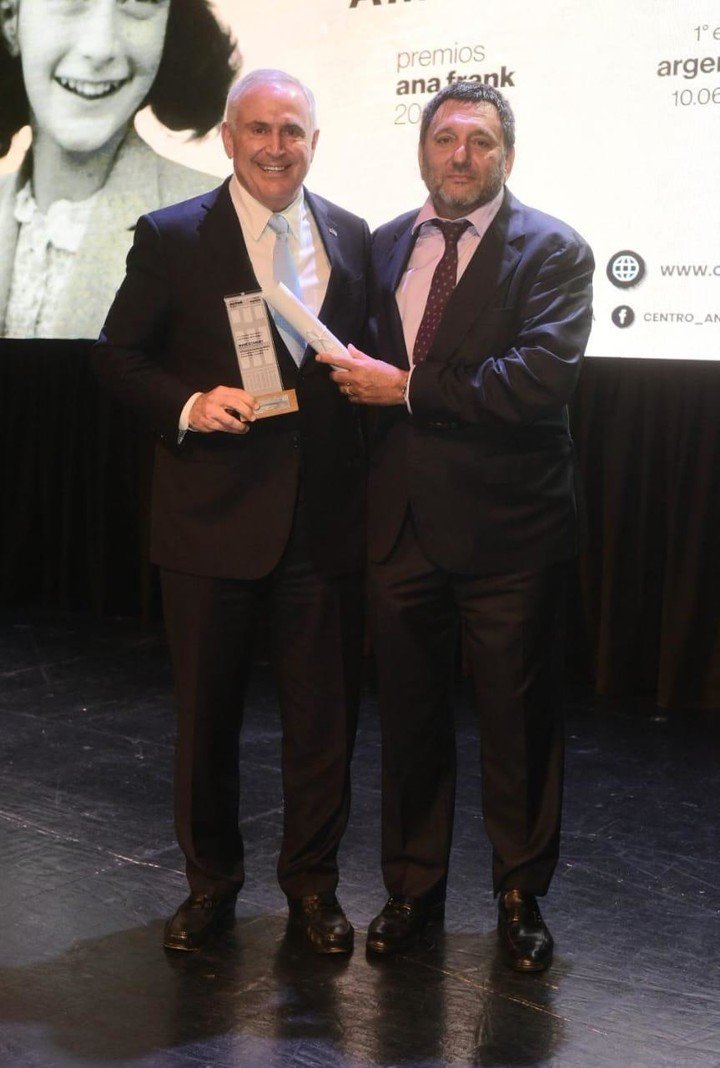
(479, 219)
(254, 216)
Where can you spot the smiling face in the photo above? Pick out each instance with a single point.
(270, 138)
(88, 65)
(463, 160)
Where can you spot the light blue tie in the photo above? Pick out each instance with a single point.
(285, 271)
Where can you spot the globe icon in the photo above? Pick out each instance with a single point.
(625, 269)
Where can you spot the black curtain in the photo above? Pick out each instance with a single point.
(645, 602)
(648, 439)
(74, 485)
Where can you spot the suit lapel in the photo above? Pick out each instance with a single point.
(223, 245)
(331, 235)
(403, 243)
(494, 258)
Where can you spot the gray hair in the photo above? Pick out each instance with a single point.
(268, 76)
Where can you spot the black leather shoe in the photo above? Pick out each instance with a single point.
(400, 924)
(323, 923)
(524, 939)
(198, 917)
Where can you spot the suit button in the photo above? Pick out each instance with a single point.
(295, 441)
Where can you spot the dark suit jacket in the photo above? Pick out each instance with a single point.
(222, 504)
(486, 459)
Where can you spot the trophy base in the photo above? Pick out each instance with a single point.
(280, 403)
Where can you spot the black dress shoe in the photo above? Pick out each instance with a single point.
(524, 939)
(198, 917)
(323, 923)
(401, 922)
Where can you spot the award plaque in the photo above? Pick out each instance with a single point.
(257, 359)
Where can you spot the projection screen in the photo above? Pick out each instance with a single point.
(617, 108)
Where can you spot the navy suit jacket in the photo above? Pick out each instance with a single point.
(222, 504)
(485, 460)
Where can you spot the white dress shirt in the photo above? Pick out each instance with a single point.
(306, 246)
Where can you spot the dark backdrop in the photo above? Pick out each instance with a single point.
(644, 605)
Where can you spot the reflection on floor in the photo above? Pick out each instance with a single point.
(91, 870)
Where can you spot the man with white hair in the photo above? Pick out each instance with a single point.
(252, 517)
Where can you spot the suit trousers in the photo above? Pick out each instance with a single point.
(315, 630)
(511, 625)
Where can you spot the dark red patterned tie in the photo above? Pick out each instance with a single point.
(441, 286)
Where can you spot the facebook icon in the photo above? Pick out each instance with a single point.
(623, 316)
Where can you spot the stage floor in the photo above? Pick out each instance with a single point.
(91, 870)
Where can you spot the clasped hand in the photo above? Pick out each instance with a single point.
(223, 408)
(365, 380)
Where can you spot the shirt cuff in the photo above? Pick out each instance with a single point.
(184, 421)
